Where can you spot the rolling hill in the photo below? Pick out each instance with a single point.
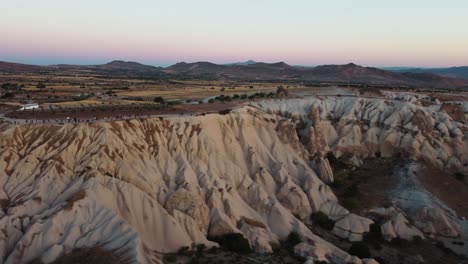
(280, 71)
(454, 72)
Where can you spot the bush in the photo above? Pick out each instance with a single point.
(275, 246)
(331, 157)
(417, 239)
(374, 235)
(293, 239)
(183, 251)
(200, 249)
(170, 258)
(7, 95)
(360, 249)
(459, 176)
(350, 202)
(10, 86)
(159, 99)
(233, 242)
(322, 220)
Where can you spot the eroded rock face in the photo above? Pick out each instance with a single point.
(363, 127)
(145, 187)
(400, 125)
(352, 227)
(397, 225)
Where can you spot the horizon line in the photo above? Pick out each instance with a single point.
(164, 65)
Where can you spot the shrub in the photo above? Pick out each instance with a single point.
(322, 220)
(183, 251)
(331, 157)
(360, 250)
(7, 95)
(275, 246)
(375, 233)
(350, 202)
(374, 236)
(293, 239)
(159, 99)
(170, 258)
(233, 242)
(200, 249)
(459, 176)
(417, 239)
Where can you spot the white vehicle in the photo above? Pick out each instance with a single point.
(29, 106)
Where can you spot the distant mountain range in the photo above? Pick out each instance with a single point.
(454, 72)
(251, 70)
(249, 62)
(348, 73)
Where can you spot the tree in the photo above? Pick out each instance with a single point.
(233, 242)
(293, 239)
(41, 85)
(322, 220)
(7, 95)
(159, 99)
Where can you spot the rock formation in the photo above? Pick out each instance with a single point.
(145, 187)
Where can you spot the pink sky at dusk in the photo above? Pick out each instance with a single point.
(423, 33)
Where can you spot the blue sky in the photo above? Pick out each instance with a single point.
(379, 33)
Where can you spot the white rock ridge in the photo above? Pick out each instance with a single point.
(366, 126)
(146, 187)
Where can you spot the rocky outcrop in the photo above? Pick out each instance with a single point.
(147, 187)
(314, 254)
(397, 225)
(150, 186)
(352, 227)
(363, 127)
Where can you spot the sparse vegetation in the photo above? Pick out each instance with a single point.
(460, 176)
(183, 251)
(233, 242)
(7, 95)
(374, 236)
(159, 99)
(293, 239)
(170, 258)
(360, 249)
(417, 240)
(41, 85)
(322, 220)
(89, 255)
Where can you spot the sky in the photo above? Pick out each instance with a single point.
(420, 33)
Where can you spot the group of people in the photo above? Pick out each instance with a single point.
(74, 120)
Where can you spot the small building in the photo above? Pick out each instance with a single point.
(29, 106)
